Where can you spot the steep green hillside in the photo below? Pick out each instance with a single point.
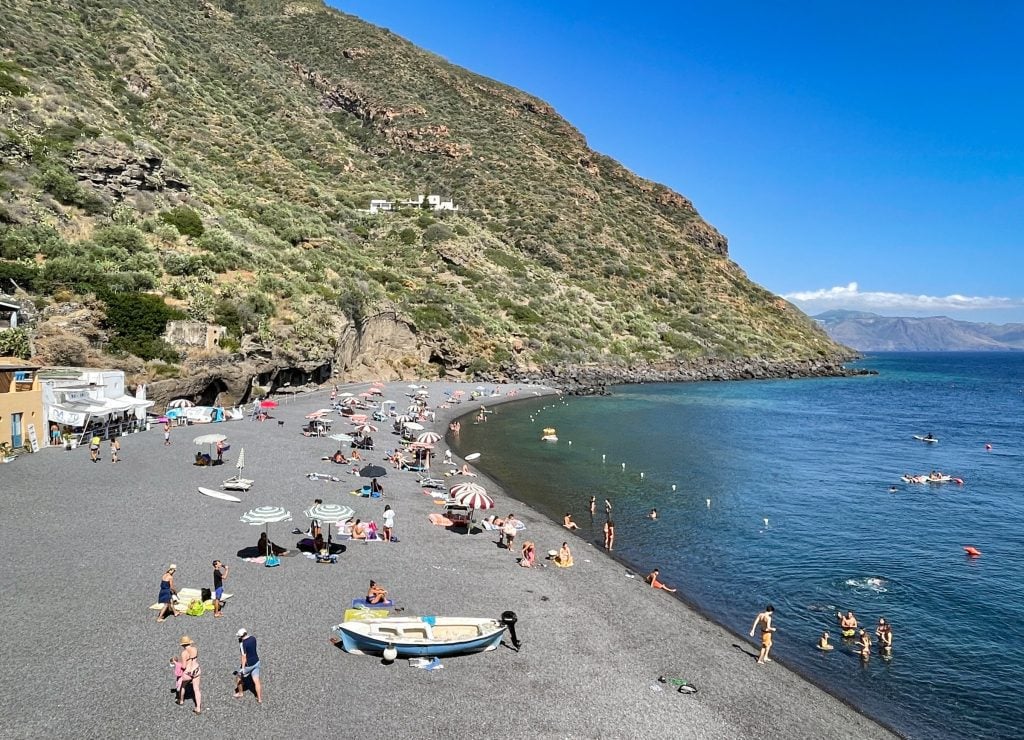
(224, 153)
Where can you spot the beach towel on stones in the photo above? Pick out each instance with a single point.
(356, 603)
(186, 595)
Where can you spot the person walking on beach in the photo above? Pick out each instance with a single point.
(509, 531)
(168, 594)
(609, 535)
(115, 447)
(249, 666)
(652, 578)
(167, 433)
(220, 574)
(188, 665)
(94, 448)
(764, 622)
(389, 522)
(220, 451)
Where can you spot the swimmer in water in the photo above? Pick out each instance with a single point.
(864, 643)
(653, 514)
(884, 634)
(823, 643)
(847, 623)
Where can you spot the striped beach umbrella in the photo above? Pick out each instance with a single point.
(428, 438)
(366, 428)
(471, 495)
(330, 514)
(179, 403)
(265, 516)
(402, 418)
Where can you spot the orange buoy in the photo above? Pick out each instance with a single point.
(972, 551)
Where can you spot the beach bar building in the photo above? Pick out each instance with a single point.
(21, 403)
(85, 401)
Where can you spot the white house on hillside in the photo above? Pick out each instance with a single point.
(434, 203)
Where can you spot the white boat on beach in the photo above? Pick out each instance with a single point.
(428, 636)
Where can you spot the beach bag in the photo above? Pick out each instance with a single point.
(195, 608)
(272, 561)
(205, 594)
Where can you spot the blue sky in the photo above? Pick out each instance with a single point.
(864, 155)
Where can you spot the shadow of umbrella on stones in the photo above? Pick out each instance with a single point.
(373, 471)
(265, 516)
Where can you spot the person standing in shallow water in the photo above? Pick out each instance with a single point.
(593, 505)
(609, 534)
(764, 622)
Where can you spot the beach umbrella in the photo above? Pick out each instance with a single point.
(342, 437)
(414, 409)
(209, 439)
(241, 459)
(415, 426)
(265, 516)
(346, 394)
(413, 387)
(179, 403)
(268, 404)
(366, 428)
(315, 415)
(330, 514)
(401, 419)
(373, 471)
(472, 496)
(375, 391)
(428, 438)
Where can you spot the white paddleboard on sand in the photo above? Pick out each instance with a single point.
(219, 494)
(472, 456)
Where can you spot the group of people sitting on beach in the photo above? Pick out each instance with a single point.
(850, 630)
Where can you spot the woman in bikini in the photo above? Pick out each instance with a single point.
(375, 594)
(188, 664)
(529, 555)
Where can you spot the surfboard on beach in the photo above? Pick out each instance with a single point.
(219, 494)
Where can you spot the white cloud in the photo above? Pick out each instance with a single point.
(851, 297)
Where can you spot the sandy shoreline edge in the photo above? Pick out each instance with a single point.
(99, 535)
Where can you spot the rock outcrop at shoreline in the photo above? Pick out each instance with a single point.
(594, 380)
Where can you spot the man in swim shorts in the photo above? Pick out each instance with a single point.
(220, 574)
(652, 578)
(764, 621)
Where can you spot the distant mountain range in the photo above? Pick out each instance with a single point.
(868, 332)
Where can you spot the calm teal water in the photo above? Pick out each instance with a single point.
(816, 458)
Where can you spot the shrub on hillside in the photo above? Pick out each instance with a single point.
(185, 220)
(437, 233)
(138, 320)
(408, 236)
(15, 343)
(125, 238)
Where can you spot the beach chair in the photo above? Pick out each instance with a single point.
(428, 482)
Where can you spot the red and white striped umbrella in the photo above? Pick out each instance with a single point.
(402, 418)
(471, 495)
(366, 428)
(428, 438)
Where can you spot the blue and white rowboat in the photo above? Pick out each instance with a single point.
(427, 636)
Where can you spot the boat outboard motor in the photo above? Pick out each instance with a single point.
(509, 619)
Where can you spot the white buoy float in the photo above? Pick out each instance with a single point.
(673, 486)
(623, 466)
(602, 458)
(642, 476)
(709, 502)
(766, 521)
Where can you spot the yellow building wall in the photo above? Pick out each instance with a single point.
(25, 398)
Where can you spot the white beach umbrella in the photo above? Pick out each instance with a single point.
(415, 426)
(401, 419)
(346, 394)
(342, 437)
(209, 439)
(428, 438)
(414, 409)
(179, 403)
(265, 516)
(241, 459)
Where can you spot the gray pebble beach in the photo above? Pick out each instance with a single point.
(84, 546)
